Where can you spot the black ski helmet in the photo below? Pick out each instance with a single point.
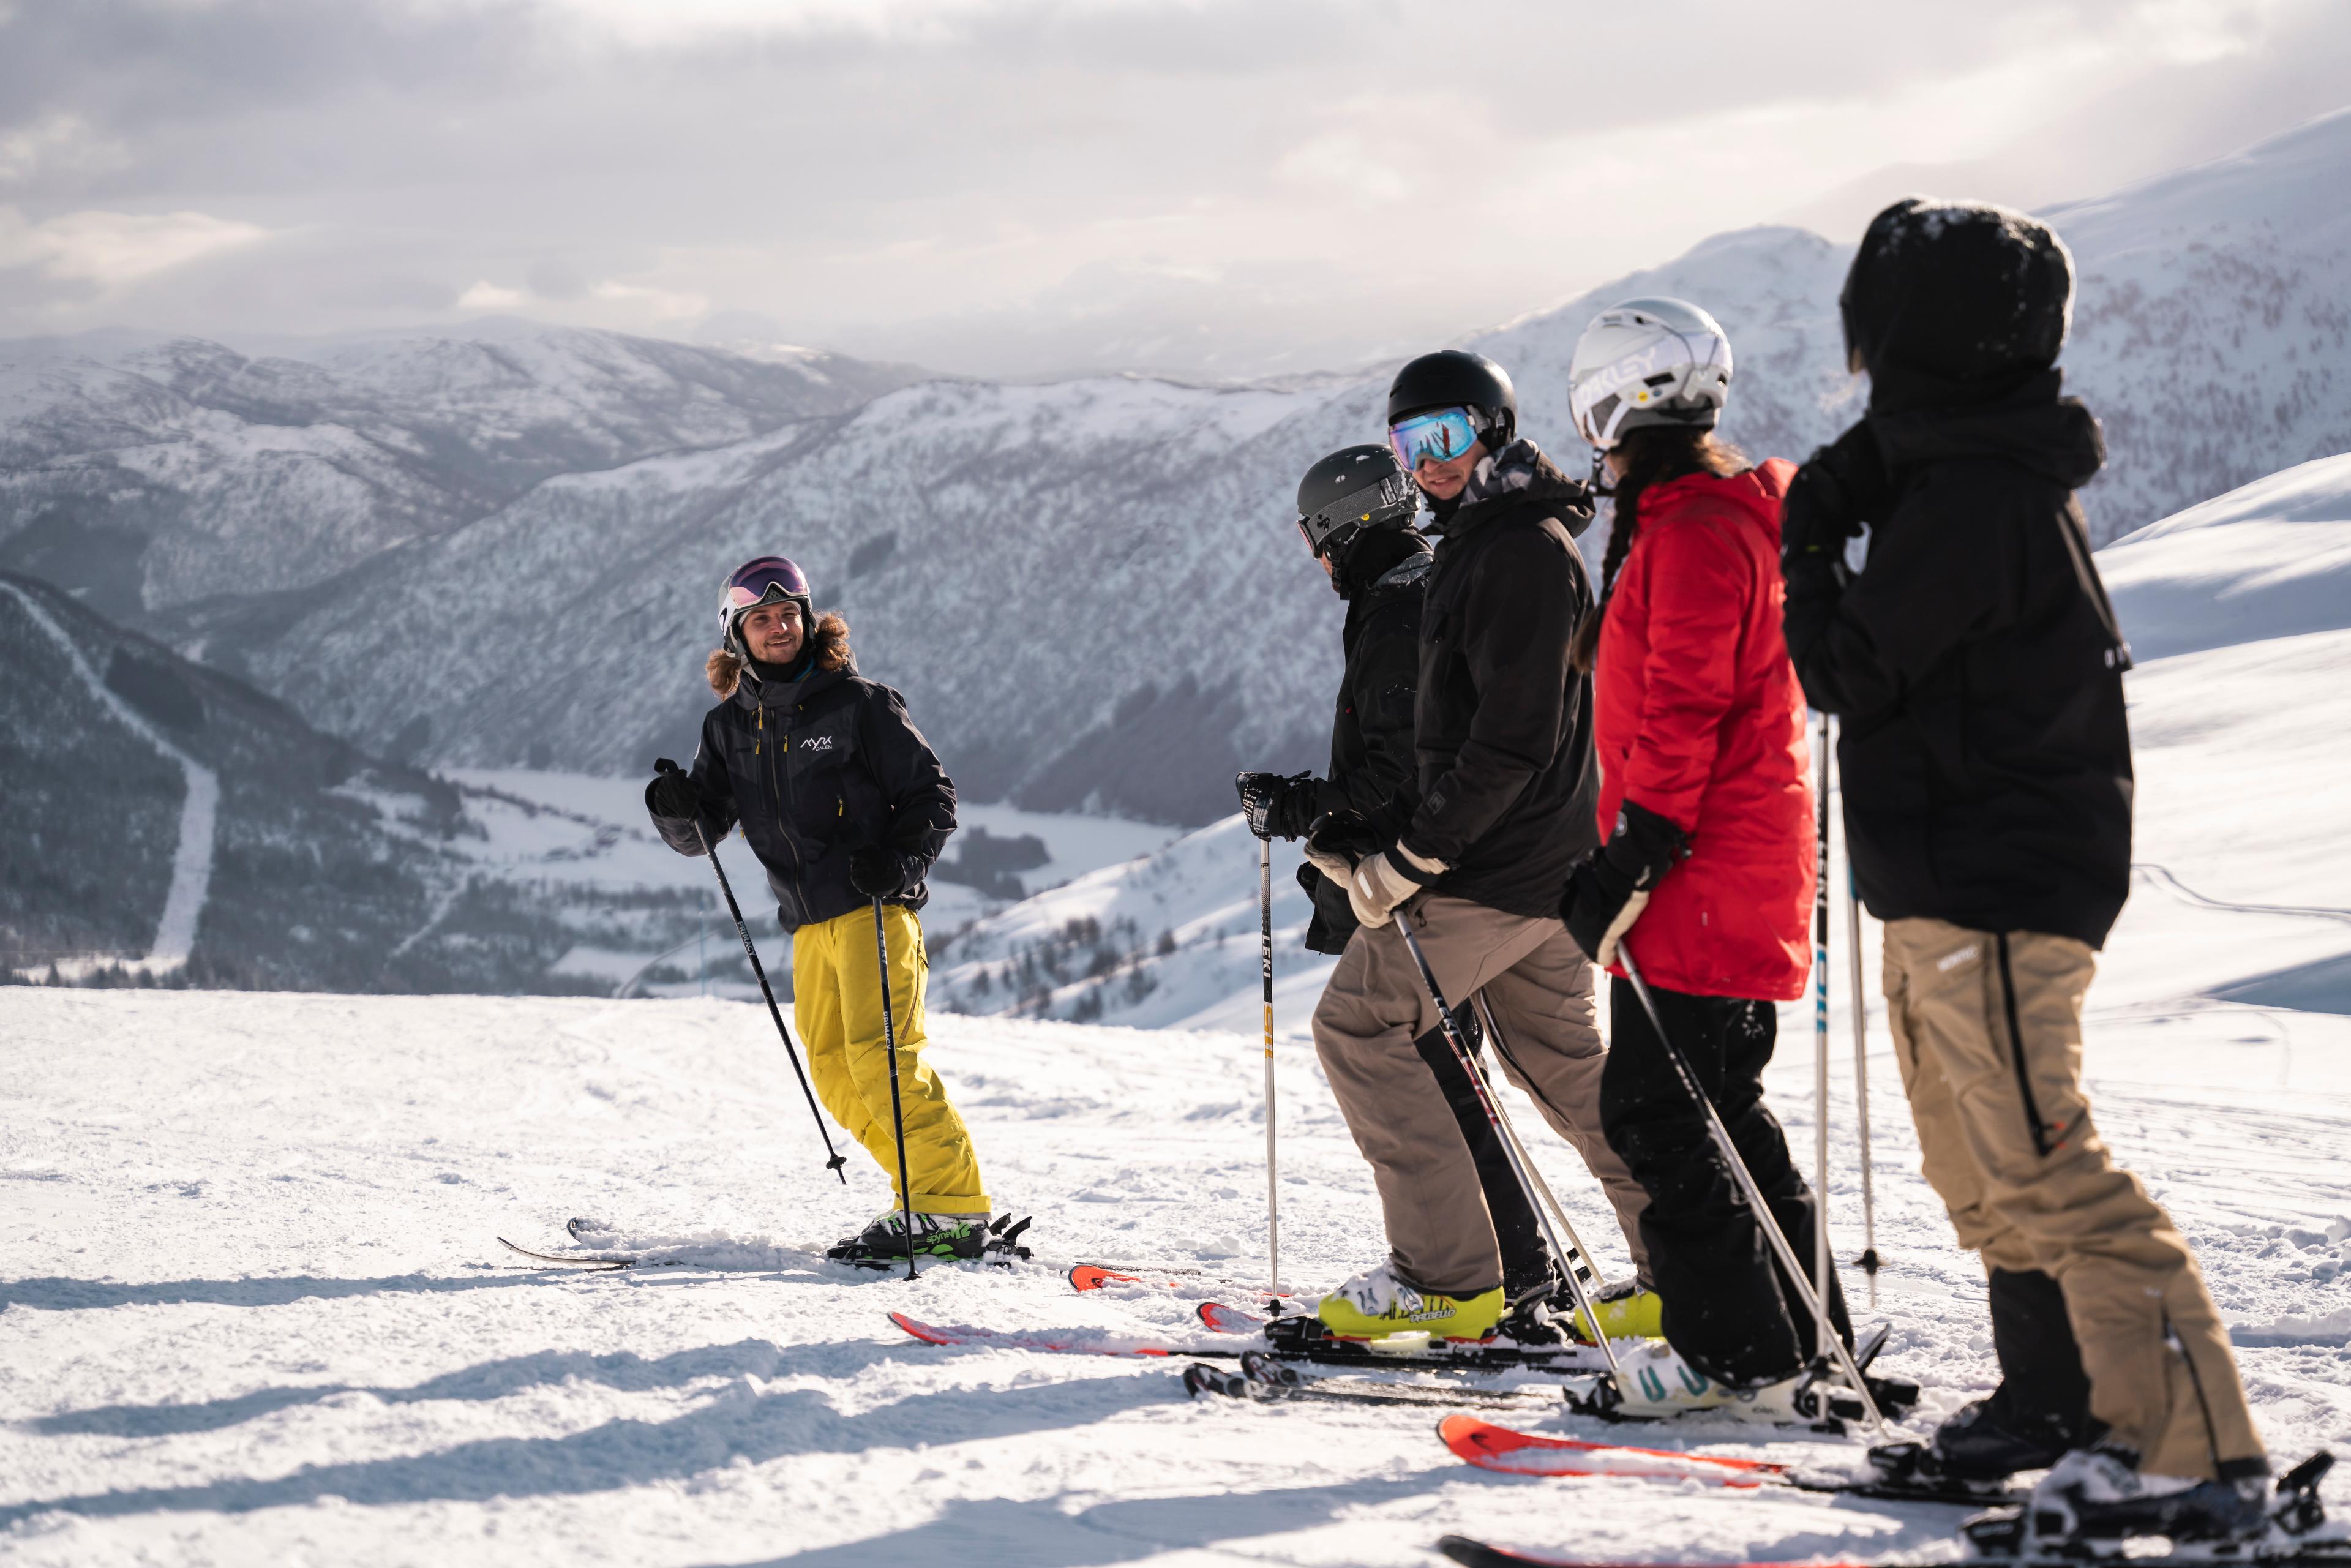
(1961, 291)
(1456, 378)
(1355, 488)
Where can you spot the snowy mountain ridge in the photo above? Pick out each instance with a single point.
(149, 471)
(1088, 590)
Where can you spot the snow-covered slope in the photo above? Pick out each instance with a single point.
(254, 1311)
(159, 473)
(2266, 560)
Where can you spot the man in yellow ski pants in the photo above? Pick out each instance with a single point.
(847, 807)
(837, 1003)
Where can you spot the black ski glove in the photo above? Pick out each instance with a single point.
(1276, 807)
(671, 794)
(1841, 487)
(877, 871)
(1611, 886)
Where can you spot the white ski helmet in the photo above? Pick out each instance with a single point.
(1648, 362)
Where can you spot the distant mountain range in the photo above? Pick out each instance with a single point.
(502, 549)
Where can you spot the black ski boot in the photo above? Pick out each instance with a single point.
(956, 1236)
(1527, 1318)
(1985, 1441)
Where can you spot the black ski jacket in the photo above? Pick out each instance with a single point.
(813, 772)
(1977, 667)
(1502, 721)
(1371, 735)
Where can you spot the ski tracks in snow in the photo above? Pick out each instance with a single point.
(191, 862)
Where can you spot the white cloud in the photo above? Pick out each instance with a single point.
(114, 249)
(58, 145)
(487, 296)
(659, 305)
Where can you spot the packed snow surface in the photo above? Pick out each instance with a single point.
(251, 1308)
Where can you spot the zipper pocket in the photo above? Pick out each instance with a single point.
(2016, 1050)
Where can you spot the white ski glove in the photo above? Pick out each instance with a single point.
(1330, 863)
(1385, 880)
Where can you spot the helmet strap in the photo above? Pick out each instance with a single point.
(1600, 482)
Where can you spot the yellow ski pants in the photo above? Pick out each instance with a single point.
(837, 1002)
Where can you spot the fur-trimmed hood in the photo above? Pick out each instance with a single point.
(829, 647)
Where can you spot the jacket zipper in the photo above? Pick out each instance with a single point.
(2016, 1050)
(779, 794)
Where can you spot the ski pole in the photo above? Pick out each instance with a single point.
(1764, 1218)
(1462, 1053)
(1272, 1163)
(752, 953)
(1579, 1258)
(1870, 1261)
(1823, 1333)
(897, 1111)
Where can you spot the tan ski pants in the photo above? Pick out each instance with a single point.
(1988, 1031)
(1539, 986)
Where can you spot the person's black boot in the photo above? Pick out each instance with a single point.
(1986, 1441)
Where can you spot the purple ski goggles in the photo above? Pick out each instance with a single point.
(770, 580)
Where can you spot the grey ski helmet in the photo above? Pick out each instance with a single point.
(1456, 378)
(1355, 488)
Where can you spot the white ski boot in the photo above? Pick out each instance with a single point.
(1657, 1383)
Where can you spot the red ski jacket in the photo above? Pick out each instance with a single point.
(1698, 716)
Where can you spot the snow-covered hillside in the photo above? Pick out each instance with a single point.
(1087, 590)
(153, 473)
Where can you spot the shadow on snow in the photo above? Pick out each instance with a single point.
(622, 1369)
(738, 1425)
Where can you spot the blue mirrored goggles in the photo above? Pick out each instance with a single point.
(1439, 435)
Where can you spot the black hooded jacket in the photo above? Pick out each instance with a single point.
(1502, 721)
(1977, 668)
(1371, 733)
(814, 770)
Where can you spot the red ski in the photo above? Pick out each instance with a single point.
(1094, 1276)
(1059, 1342)
(1472, 1554)
(1493, 1448)
(1223, 1319)
(1477, 1554)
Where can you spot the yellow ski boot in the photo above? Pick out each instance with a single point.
(1377, 1304)
(1627, 1312)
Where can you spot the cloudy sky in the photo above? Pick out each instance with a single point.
(1018, 187)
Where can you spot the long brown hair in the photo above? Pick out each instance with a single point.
(1653, 455)
(724, 668)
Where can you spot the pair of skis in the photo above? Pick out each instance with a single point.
(2001, 1537)
(1003, 1249)
(1231, 1323)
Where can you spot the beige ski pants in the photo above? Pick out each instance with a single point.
(1988, 1031)
(1539, 985)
